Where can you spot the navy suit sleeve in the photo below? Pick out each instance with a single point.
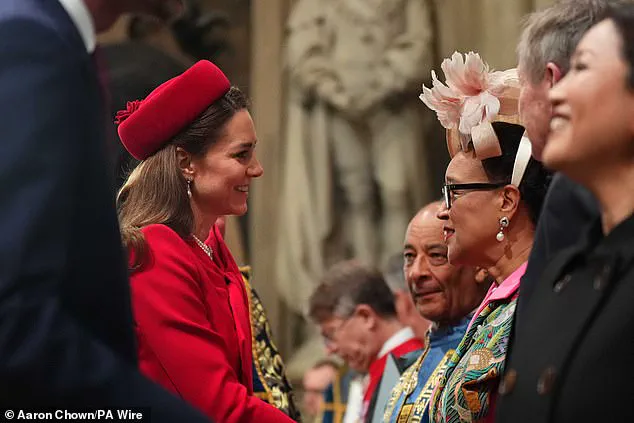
(46, 355)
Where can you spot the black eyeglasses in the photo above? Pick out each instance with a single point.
(448, 189)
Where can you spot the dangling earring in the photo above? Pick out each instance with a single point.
(504, 223)
(189, 188)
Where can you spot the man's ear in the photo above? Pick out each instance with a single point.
(367, 315)
(184, 160)
(552, 74)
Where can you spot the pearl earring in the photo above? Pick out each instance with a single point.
(504, 223)
(189, 188)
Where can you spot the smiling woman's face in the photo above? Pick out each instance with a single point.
(223, 175)
(593, 109)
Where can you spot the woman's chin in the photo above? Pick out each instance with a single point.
(238, 208)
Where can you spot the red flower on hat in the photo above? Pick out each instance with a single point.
(131, 107)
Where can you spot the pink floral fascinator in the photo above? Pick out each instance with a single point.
(471, 100)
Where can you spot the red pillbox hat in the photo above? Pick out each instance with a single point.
(147, 125)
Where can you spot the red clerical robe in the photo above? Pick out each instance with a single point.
(192, 326)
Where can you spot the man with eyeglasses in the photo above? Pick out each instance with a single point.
(354, 309)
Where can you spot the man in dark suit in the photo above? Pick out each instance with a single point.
(66, 332)
(548, 40)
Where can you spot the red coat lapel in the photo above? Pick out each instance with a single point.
(238, 301)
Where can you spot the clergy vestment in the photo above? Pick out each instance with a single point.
(401, 343)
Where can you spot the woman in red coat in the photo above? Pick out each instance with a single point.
(196, 141)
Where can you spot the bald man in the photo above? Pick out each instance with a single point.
(445, 294)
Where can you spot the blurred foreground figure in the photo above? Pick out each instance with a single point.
(66, 335)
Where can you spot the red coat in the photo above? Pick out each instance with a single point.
(193, 327)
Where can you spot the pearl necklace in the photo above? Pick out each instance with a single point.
(206, 248)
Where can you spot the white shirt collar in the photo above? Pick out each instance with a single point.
(395, 340)
(79, 13)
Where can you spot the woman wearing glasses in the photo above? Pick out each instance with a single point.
(493, 195)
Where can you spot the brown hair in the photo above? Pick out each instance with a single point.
(156, 190)
(346, 285)
(552, 34)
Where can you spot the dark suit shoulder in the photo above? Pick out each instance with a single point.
(568, 209)
(25, 10)
(566, 196)
(33, 17)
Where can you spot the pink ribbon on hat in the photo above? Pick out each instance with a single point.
(472, 98)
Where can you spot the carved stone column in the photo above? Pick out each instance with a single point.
(267, 91)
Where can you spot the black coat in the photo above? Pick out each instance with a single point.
(66, 334)
(572, 349)
(567, 209)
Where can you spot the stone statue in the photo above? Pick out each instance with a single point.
(354, 122)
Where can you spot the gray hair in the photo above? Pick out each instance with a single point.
(347, 285)
(552, 34)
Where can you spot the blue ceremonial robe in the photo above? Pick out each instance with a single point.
(408, 402)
